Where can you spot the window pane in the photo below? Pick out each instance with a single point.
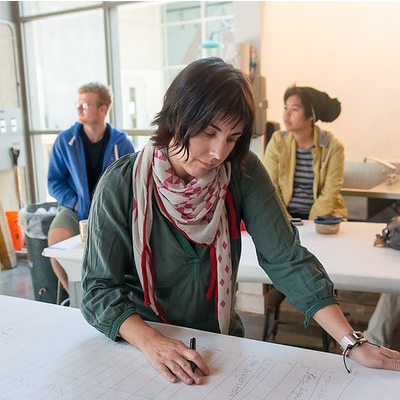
(30, 8)
(8, 71)
(170, 75)
(141, 63)
(42, 145)
(182, 11)
(139, 141)
(219, 8)
(62, 53)
(183, 43)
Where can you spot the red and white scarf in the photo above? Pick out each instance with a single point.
(197, 209)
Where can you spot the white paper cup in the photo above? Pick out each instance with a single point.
(83, 224)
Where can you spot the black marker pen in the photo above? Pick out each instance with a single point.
(192, 345)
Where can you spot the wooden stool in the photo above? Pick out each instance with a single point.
(272, 321)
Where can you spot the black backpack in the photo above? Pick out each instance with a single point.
(390, 235)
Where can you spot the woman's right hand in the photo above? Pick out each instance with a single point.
(173, 359)
(169, 356)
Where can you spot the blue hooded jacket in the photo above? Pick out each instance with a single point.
(67, 177)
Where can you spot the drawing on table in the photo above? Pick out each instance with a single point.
(73, 361)
(234, 376)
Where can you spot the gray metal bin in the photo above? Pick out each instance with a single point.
(35, 220)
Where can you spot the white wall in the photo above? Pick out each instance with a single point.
(351, 50)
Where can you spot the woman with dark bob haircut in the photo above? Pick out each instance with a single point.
(202, 92)
(163, 240)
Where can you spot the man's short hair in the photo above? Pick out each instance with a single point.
(103, 92)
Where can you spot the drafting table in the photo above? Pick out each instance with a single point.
(51, 352)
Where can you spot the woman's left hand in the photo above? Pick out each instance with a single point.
(374, 356)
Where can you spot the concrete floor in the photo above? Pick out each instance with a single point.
(17, 282)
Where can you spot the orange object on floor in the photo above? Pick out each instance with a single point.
(15, 229)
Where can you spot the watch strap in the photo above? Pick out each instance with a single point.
(351, 340)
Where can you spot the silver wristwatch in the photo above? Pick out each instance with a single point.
(351, 339)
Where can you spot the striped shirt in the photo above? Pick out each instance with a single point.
(302, 198)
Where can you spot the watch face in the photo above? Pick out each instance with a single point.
(351, 339)
(358, 335)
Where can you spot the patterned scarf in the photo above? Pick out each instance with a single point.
(197, 209)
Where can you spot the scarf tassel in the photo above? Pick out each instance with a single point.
(212, 286)
(146, 253)
(232, 216)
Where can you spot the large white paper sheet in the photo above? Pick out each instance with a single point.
(50, 352)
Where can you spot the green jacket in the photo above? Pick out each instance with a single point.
(328, 167)
(111, 287)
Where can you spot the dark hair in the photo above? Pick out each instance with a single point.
(206, 90)
(316, 104)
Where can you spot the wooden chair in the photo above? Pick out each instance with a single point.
(272, 318)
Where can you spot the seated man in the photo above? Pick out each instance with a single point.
(79, 157)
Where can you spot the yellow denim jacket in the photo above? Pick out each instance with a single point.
(328, 167)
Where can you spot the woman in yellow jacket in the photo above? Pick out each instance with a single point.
(305, 162)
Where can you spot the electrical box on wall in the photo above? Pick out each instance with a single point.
(244, 57)
(259, 89)
(11, 137)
